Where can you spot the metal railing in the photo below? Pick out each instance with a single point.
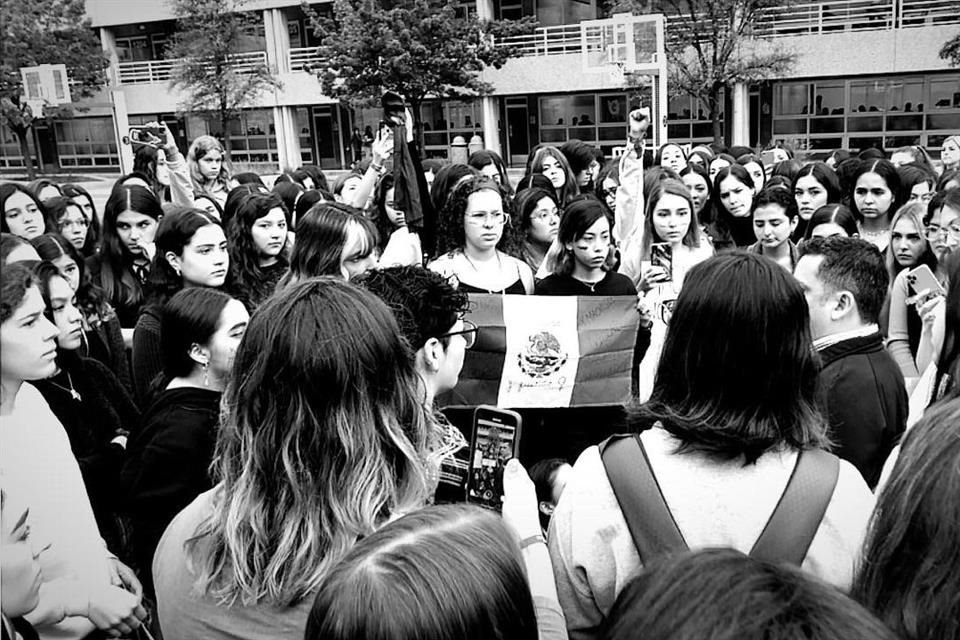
(826, 17)
(155, 71)
(302, 57)
(547, 41)
(922, 13)
(829, 16)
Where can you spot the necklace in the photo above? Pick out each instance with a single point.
(73, 392)
(499, 268)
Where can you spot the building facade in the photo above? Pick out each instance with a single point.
(867, 74)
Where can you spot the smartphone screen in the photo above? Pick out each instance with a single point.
(661, 255)
(496, 436)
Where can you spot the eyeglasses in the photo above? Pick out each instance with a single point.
(480, 217)
(935, 231)
(545, 214)
(469, 333)
(666, 310)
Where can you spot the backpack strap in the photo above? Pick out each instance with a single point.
(790, 529)
(652, 527)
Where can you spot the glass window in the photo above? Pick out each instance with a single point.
(678, 108)
(561, 110)
(791, 99)
(790, 126)
(828, 99)
(866, 97)
(944, 121)
(904, 96)
(613, 108)
(945, 93)
(892, 142)
(432, 116)
(905, 123)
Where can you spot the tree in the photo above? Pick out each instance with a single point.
(713, 44)
(417, 48)
(210, 35)
(45, 32)
(951, 51)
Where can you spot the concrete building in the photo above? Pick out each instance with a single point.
(867, 74)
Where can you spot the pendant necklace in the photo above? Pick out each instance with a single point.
(73, 392)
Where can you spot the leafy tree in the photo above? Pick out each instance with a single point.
(45, 32)
(951, 51)
(209, 36)
(419, 48)
(712, 44)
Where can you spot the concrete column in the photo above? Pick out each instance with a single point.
(121, 124)
(485, 9)
(278, 39)
(288, 139)
(109, 43)
(489, 115)
(740, 124)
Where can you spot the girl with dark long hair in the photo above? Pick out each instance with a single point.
(257, 238)
(103, 337)
(191, 252)
(130, 220)
(96, 412)
(169, 456)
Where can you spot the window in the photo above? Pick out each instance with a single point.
(792, 99)
(303, 132)
(688, 120)
(567, 110)
(857, 113)
(85, 142)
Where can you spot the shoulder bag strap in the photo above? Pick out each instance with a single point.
(654, 531)
(790, 530)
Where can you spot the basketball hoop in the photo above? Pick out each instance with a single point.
(616, 73)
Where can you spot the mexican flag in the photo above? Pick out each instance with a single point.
(548, 351)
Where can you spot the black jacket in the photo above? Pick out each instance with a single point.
(863, 396)
(167, 463)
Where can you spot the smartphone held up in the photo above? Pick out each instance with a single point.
(496, 439)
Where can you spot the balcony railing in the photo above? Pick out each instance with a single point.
(155, 71)
(303, 57)
(830, 16)
(547, 41)
(826, 17)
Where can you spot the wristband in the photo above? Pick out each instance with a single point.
(532, 540)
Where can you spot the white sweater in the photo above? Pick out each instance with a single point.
(714, 505)
(37, 464)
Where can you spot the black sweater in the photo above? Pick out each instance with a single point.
(104, 411)
(863, 396)
(167, 463)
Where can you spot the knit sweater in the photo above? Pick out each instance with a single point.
(104, 411)
(167, 463)
(715, 504)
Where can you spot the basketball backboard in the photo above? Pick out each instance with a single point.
(46, 83)
(624, 40)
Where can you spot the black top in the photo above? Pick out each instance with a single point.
(613, 284)
(515, 288)
(146, 355)
(127, 313)
(253, 297)
(104, 411)
(862, 394)
(167, 462)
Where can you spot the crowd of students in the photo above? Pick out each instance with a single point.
(220, 418)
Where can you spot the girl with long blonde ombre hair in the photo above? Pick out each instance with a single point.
(322, 440)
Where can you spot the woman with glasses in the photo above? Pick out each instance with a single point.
(539, 215)
(472, 226)
(943, 234)
(69, 218)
